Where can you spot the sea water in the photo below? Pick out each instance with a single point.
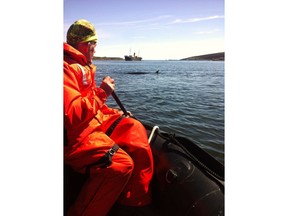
(181, 97)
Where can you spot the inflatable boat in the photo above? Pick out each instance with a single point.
(187, 180)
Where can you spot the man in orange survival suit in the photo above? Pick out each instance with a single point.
(86, 119)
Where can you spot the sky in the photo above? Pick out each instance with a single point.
(154, 30)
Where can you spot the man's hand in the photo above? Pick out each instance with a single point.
(122, 113)
(108, 85)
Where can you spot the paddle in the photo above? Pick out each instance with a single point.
(119, 103)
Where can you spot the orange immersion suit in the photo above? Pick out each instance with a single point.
(86, 118)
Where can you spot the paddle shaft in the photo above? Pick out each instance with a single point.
(119, 103)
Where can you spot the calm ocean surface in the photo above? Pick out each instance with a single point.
(185, 97)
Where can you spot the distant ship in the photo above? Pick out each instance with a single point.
(132, 58)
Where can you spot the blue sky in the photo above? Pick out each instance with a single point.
(156, 30)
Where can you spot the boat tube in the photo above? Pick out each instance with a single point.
(187, 180)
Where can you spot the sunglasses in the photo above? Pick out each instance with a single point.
(92, 43)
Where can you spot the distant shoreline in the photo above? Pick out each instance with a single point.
(107, 58)
(208, 57)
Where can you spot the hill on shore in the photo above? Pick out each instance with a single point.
(212, 57)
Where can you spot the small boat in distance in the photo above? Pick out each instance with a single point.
(132, 57)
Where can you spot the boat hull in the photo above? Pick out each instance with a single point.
(181, 186)
(132, 58)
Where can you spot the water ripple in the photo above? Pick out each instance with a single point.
(186, 97)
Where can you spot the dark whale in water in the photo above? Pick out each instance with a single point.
(140, 72)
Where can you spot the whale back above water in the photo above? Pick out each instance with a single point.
(141, 72)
